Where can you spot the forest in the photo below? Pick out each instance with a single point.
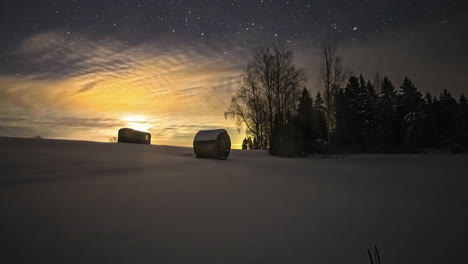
(349, 114)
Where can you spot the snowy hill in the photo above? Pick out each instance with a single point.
(87, 202)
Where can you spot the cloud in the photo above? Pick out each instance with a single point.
(88, 86)
(64, 84)
(181, 86)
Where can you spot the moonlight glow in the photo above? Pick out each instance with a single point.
(72, 69)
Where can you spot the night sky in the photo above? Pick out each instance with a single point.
(82, 69)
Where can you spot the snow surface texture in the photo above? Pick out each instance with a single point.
(85, 202)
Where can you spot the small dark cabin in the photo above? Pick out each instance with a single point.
(128, 135)
(214, 144)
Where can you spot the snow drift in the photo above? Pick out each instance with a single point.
(85, 202)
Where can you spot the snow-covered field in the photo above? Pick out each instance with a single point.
(86, 202)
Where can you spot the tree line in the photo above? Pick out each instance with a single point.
(351, 114)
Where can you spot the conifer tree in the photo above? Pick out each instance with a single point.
(387, 130)
(463, 105)
(319, 119)
(244, 143)
(448, 117)
(410, 97)
(431, 128)
(250, 143)
(305, 132)
(371, 118)
(410, 112)
(350, 113)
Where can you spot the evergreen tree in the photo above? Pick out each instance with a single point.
(410, 97)
(319, 104)
(431, 128)
(350, 114)
(358, 112)
(305, 132)
(448, 118)
(463, 105)
(284, 138)
(244, 143)
(250, 143)
(377, 82)
(341, 115)
(387, 129)
(428, 99)
(410, 112)
(388, 92)
(255, 143)
(362, 116)
(319, 120)
(362, 83)
(370, 126)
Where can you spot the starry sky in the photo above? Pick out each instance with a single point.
(82, 69)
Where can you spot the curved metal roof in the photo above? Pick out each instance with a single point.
(207, 135)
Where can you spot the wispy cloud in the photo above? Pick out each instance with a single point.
(59, 83)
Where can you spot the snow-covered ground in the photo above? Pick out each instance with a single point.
(86, 202)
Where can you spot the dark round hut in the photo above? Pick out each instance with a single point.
(214, 144)
(128, 135)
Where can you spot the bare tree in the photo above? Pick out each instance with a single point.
(263, 65)
(248, 107)
(248, 111)
(287, 81)
(269, 90)
(332, 76)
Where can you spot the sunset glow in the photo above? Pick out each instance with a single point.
(137, 122)
(241, 131)
(77, 70)
(166, 92)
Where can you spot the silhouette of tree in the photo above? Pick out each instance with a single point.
(267, 99)
(448, 117)
(410, 97)
(250, 143)
(463, 108)
(245, 143)
(360, 117)
(255, 143)
(370, 126)
(248, 106)
(358, 98)
(411, 114)
(431, 128)
(377, 82)
(463, 105)
(319, 119)
(387, 130)
(332, 75)
(345, 128)
(304, 123)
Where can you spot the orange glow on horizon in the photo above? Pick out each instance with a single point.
(169, 93)
(137, 122)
